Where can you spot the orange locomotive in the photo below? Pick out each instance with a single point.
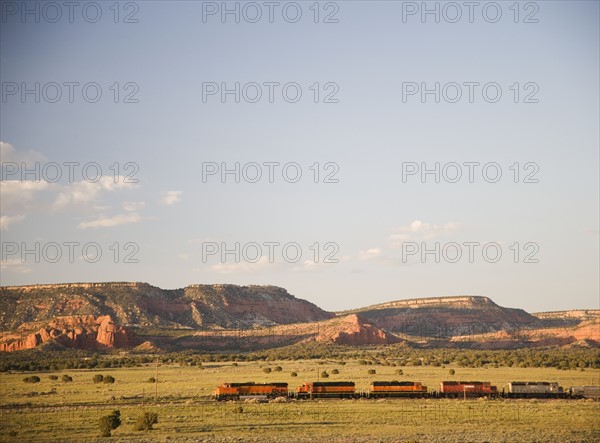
(235, 391)
(323, 389)
(380, 389)
(455, 389)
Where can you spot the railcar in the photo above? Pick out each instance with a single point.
(407, 389)
(534, 389)
(456, 389)
(236, 391)
(322, 389)
(592, 392)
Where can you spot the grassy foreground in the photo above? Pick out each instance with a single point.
(54, 410)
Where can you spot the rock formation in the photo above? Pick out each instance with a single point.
(79, 332)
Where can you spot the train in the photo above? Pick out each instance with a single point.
(406, 389)
(402, 389)
(456, 389)
(237, 391)
(534, 389)
(323, 389)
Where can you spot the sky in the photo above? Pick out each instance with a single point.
(351, 152)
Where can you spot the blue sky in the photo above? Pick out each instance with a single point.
(372, 214)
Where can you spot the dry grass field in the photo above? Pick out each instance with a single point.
(53, 410)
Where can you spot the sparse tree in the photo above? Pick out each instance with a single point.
(32, 379)
(372, 372)
(109, 379)
(110, 422)
(67, 378)
(98, 378)
(451, 372)
(145, 421)
(294, 374)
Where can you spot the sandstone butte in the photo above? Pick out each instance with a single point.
(80, 332)
(247, 317)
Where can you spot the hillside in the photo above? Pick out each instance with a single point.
(445, 317)
(562, 319)
(97, 316)
(143, 305)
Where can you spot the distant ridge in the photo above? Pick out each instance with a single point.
(143, 305)
(429, 301)
(123, 315)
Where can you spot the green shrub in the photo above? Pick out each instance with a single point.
(32, 379)
(109, 422)
(145, 421)
(98, 378)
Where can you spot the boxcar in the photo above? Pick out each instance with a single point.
(585, 392)
(235, 391)
(456, 389)
(381, 389)
(334, 389)
(534, 389)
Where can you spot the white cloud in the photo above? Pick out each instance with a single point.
(170, 197)
(9, 154)
(85, 192)
(14, 265)
(419, 230)
(19, 196)
(111, 222)
(133, 206)
(230, 268)
(370, 254)
(7, 220)
(312, 266)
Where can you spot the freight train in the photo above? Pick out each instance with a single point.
(406, 389)
(323, 389)
(534, 389)
(237, 391)
(402, 389)
(456, 389)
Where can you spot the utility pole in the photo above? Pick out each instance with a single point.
(156, 382)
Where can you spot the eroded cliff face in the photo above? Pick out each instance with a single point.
(102, 316)
(140, 304)
(446, 317)
(79, 332)
(354, 330)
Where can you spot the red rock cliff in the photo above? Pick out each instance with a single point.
(79, 332)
